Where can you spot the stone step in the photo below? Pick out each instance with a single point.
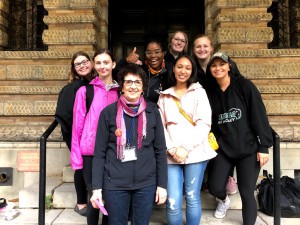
(64, 196)
(69, 217)
(68, 190)
(68, 174)
(29, 196)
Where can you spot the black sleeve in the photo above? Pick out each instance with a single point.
(258, 116)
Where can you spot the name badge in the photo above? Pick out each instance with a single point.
(129, 154)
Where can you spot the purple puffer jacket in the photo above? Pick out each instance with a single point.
(85, 125)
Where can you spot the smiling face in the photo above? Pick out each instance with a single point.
(83, 66)
(219, 69)
(132, 87)
(104, 65)
(154, 55)
(182, 70)
(203, 48)
(178, 43)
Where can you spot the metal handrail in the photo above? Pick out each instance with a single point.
(42, 174)
(276, 174)
(42, 182)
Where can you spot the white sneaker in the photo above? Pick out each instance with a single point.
(222, 208)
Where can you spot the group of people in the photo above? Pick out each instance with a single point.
(144, 137)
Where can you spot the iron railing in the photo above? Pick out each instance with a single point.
(285, 24)
(26, 26)
(42, 174)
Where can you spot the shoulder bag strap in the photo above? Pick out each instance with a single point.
(181, 110)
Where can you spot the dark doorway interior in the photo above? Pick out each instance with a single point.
(130, 20)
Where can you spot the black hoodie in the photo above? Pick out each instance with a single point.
(239, 118)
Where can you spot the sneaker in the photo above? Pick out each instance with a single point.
(222, 208)
(231, 186)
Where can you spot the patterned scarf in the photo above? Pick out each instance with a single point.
(123, 107)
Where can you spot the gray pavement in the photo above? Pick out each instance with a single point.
(69, 217)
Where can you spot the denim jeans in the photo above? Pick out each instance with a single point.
(117, 203)
(189, 177)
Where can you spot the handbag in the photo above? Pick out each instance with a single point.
(211, 137)
(289, 196)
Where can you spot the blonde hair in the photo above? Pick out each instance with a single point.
(172, 35)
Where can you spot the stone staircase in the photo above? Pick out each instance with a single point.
(63, 193)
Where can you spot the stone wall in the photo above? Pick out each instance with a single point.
(30, 81)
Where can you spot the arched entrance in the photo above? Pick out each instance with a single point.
(129, 20)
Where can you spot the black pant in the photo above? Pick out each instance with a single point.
(247, 170)
(92, 213)
(80, 187)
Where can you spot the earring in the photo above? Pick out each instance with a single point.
(121, 92)
(142, 93)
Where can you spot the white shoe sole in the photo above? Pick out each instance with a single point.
(219, 217)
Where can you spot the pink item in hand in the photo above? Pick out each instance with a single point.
(101, 207)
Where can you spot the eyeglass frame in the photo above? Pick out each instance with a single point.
(129, 83)
(83, 62)
(181, 40)
(156, 52)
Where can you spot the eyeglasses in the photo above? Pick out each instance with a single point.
(180, 40)
(137, 83)
(156, 52)
(83, 62)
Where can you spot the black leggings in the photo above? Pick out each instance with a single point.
(80, 187)
(247, 170)
(92, 213)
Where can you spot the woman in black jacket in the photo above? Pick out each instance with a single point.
(241, 126)
(130, 164)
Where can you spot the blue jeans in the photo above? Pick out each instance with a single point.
(117, 203)
(190, 176)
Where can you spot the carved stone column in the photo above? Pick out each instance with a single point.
(4, 7)
(239, 23)
(76, 25)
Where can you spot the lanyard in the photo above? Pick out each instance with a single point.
(131, 126)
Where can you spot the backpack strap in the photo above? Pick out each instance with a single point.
(89, 96)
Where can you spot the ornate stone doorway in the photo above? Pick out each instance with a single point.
(129, 20)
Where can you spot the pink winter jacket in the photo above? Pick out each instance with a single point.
(179, 131)
(85, 126)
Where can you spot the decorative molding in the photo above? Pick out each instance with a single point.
(243, 35)
(28, 108)
(34, 72)
(69, 19)
(279, 89)
(235, 17)
(40, 55)
(82, 36)
(69, 4)
(27, 133)
(270, 70)
(283, 107)
(217, 5)
(30, 90)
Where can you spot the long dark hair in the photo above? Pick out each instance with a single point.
(193, 78)
(73, 74)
